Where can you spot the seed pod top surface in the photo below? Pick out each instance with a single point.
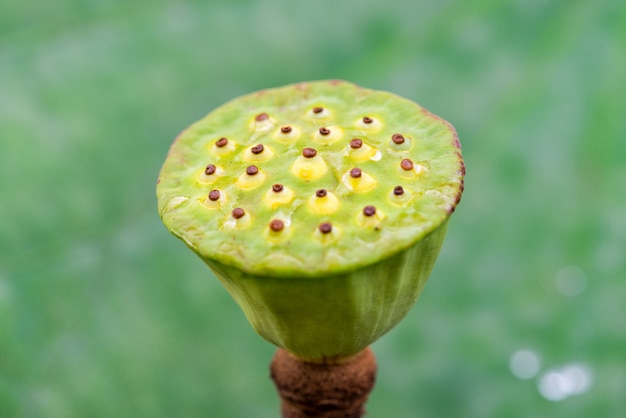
(325, 161)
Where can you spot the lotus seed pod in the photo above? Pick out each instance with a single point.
(320, 206)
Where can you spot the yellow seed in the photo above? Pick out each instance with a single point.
(309, 168)
(365, 152)
(261, 124)
(417, 171)
(251, 157)
(400, 199)
(241, 223)
(373, 125)
(371, 221)
(363, 183)
(277, 236)
(208, 179)
(215, 204)
(287, 137)
(325, 205)
(246, 181)
(327, 238)
(223, 150)
(274, 199)
(328, 135)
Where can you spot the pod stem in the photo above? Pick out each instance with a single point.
(323, 390)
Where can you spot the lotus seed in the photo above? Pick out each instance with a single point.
(285, 129)
(397, 139)
(309, 152)
(214, 195)
(321, 193)
(261, 117)
(355, 173)
(406, 164)
(324, 131)
(367, 120)
(221, 142)
(210, 169)
(257, 149)
(318, 109)
(277, 225)
(238, 213)
(252, 170)
(277, 188)
(369, 211)
(325, 227)
(398, 191)
(356, 143)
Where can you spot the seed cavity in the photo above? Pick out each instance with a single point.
(356, 143)
(370, 217)
(277, 225)
(355, 173)
(262, 122)
(358, 181)
(369, 124)
(399, 196)
(369, 210)
(278, 195)
(214, 199)
(287, 134)
(406, 164)
(238, 213)
(257, 154)
(210, 169)
(309, 167)
(328, 135)
(397, 139)
(251, 178)
(223, 146)
(325, 228)
(323, 202)
(214, 195)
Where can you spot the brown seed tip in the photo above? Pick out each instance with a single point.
(285, 129)
(221, 142)
(356, 143)
(238, 213)
(367, 120)
(406, 164)
(309, 152)
(210, 169)
(251, 170)
(397, 139)
(369, 211)
(318, 109)
(214, 195)
(321, 193)
(277, 225)
(277, 188)
(324, 131)
(355, 173)
(398, 191)
(261, 117)
(257, 149)
(325, 227)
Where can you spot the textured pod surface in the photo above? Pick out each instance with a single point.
(320, 206)
(310, 179)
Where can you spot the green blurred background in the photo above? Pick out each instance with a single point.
(104, 314)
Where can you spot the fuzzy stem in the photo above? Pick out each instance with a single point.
(323, 390)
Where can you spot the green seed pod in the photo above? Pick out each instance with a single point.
(320, 206)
